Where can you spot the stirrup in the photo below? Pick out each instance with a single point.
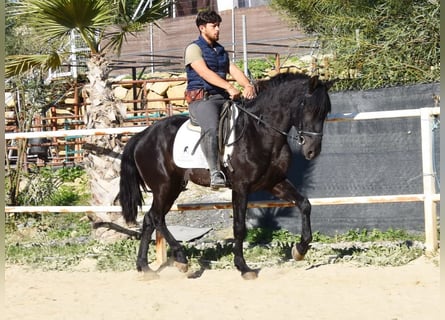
(217, 180)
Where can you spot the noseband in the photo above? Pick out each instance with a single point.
(301, 133)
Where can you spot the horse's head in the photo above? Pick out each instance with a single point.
(313, 110)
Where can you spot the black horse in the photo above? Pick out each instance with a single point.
(261, 156)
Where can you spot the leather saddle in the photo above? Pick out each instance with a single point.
(187, 152)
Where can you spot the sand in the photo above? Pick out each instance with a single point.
(334, 291)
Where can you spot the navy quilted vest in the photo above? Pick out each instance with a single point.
(216, 59)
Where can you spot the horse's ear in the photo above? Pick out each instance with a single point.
(313, 83)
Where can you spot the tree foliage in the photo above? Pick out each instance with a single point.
(375, 43)
(102, 24)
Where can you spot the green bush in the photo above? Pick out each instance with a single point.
(70, 174)
(46, 186)
(257, 67)
(39, 186)
(64, 196)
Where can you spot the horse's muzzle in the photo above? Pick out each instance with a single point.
(310, 152)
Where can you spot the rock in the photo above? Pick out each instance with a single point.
(155, 104)
(176, 92)
(120, 92)
(70, 101)
(160, 87)
(129, 97)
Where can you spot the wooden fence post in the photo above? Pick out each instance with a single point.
(161, 249)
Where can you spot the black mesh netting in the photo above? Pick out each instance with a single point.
(360, 158)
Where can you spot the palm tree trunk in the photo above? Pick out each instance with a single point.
(102, 153)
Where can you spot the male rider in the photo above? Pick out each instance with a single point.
(207, 65)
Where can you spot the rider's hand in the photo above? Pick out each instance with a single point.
(234, 93)
(249, 92)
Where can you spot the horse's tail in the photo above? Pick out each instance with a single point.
(130, 194)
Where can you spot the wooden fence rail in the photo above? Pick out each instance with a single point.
(228, 204)
(429, 196)
(336, 117)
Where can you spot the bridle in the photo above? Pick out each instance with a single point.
(301, 133)
(299, 138)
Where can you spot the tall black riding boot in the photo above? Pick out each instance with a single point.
(209, 145)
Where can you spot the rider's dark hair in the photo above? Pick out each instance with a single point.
(207, 16)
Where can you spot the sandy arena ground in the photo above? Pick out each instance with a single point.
(335, 291)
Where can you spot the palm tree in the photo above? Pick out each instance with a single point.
(103, 25)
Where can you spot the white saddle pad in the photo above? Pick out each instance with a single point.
(186, 142)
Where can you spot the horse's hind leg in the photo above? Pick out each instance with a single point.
(153, 221)
(175, 247)
(286, 191)
(147, 230)
(163, 199)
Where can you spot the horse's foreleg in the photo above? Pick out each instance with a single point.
(239, 230)
(286, 191)
(301, 248)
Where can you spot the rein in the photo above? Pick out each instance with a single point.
(299, 138)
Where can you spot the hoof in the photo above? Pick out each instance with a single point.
(183, 267)
(296, 254)
(147, 275)
(143, 268)
(250, 275)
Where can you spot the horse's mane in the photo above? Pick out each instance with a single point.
(281, 79)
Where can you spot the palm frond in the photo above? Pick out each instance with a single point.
(127, 26)
(18, 64)
(55, 19)
(103, 25)
(157, 11)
